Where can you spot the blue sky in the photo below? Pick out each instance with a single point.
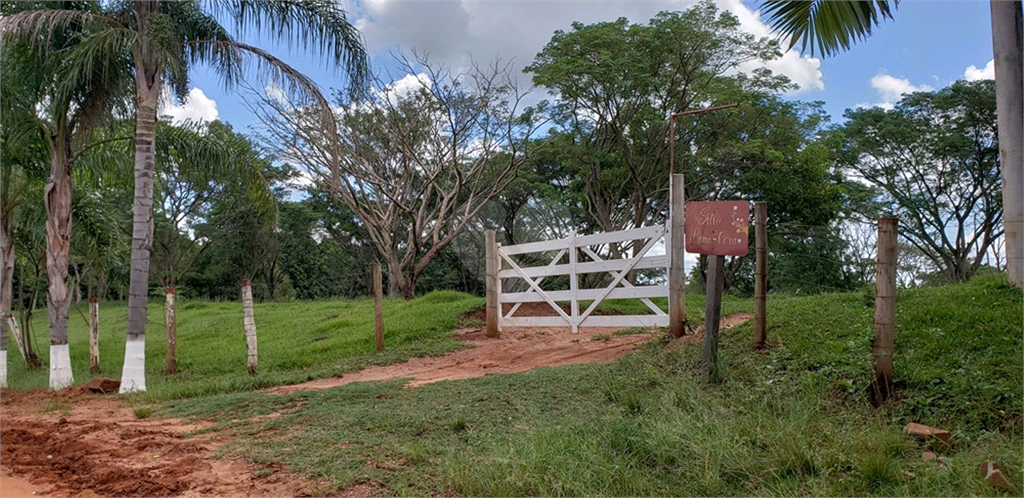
(929, 45)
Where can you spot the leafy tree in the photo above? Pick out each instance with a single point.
(934, 160)
(416, 166)
(616, 85)
(66, 103)
(834, 25)
(165, 39)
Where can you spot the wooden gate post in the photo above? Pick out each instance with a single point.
(760, 272)
(676, 270)
(378, 307)
(885, 312)
(491, 283)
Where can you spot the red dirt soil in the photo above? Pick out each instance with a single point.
(72, 443)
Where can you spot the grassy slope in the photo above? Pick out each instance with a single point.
(792, 420)
(297, 341)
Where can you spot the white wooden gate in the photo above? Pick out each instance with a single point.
(583, 255)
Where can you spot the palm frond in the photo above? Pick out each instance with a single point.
(39, 26)
(317, 26)
(831, 26)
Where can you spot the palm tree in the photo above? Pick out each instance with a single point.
(165, 39)
(64, 105)
(833, 26)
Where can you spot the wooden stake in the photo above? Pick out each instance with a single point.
(885, 312)
(19, 340)
(760, 273)
(171, 324)
(378, 307)
(249, 322)
(677, 246)
(94, 335)
(712, 315)
(491, 283)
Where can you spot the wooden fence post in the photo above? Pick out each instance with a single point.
(885, 312)
(712, 315)
(491, 283)
(171, 325)
(676, 270)
(94, 334)
(249, 322)
(378, 307)
(760, 273)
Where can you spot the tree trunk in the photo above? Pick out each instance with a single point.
(57, 198)
(249, 321)
(6, 290)
(19, 339)
(170, 322)
(1007, 48)
(147, 93)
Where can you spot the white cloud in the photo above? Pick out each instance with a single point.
(892, 89)
(197, 107)
(805, 70)
(454, 31)
(987, 73)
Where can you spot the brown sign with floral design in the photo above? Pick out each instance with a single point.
(718, 227)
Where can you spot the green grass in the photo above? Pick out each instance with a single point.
(298, 341)
(793, 419)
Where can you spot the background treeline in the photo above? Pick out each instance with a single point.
(594, 157)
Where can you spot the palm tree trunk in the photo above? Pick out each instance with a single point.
(1007, 48)
(6, 288)
(147, 88)
(249, 322)
(57, 198)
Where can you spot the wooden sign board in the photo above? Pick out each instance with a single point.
(719, 228)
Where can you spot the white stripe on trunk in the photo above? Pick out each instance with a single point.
(133, 376)
(3, 368)
(60, 367)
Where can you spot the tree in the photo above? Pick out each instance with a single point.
(934, 159)
(617, 83)
(835, 25)
(165, 39)
(66, 103)
(415, 166)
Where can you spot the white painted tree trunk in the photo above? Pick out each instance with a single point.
(249, 321)
(133, 375)
(3, 367)
(94, 334)
(60, 367)
(1007, 49)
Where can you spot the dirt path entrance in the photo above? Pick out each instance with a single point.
(72, 443)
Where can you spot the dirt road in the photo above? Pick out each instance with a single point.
(72, 443)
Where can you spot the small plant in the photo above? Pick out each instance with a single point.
(144, 412)
(55, 406)
(602, 337)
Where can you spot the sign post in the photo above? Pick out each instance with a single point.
(717, 229)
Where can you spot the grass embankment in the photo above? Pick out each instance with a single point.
(791, 420)
(298, 341)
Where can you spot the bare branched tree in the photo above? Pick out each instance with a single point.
(419, 156)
